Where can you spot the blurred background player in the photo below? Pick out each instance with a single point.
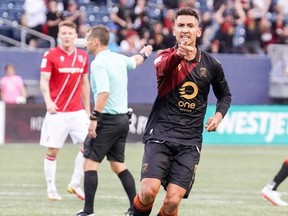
(270, 193)
(109, 124)
(12, 88)
(65, 87)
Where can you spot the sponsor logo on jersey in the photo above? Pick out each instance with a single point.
(188, 91)
(71, 70)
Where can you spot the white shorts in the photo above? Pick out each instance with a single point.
(57, 127)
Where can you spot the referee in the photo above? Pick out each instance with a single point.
(109, 125)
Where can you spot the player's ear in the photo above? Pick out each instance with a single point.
(199, 32)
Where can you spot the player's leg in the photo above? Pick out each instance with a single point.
(50, 167)
(53, 136)
(90, 184)
(173, 197)
(180, 178)
(155, 166)
(281, 175)
(127, 180)
(144, 200)
(269, 192)
(77, 175)
(78, 132)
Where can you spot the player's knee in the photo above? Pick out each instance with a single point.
(52, 152)
(148, 194)
(117, 167)
(172, 202)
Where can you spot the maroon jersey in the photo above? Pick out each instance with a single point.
(66, 77)
(183, 87)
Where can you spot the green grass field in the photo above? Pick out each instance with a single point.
(228, 182)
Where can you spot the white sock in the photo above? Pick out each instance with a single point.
(78, 171)
(50, 167)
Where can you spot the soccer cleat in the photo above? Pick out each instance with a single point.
(77, 191)
(81, 213)
(129, 212)
(272, 196)
(54, 196)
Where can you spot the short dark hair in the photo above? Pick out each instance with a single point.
(101, 32)
(187, 11)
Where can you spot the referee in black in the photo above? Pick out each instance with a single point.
(173, 134)
(109, 124)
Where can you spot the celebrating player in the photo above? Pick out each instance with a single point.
(173, 134)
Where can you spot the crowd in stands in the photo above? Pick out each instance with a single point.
(229, 26)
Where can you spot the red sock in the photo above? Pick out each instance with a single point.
(162, 213)
(140, 206)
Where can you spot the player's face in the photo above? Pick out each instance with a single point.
(186, 28)
(67, 35)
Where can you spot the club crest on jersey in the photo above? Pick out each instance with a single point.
(62, 58)
(80, 58)
(203, 72)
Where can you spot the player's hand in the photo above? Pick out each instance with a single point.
(51, 107)
(92, 129)
(213, 122)
(184, 50)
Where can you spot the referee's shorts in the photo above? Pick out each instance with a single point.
(111, 134)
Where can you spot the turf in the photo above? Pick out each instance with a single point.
(228, 182)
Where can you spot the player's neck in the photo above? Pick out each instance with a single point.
(68, 50)
(100, 49)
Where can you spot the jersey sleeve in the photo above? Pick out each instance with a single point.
(46, 63)
(221, 89)
(166, 61)
(130, 62)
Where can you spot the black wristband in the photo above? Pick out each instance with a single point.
(144, 56)
(95, 115)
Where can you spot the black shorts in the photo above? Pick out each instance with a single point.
(112, 131)
(170, 163)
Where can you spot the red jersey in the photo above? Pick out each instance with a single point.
(66, 77)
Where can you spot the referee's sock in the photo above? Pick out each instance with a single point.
(128, 183)
(90, 187)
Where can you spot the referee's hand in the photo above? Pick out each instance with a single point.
(92, 129)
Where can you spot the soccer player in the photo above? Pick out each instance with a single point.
(109, 124)
(270, 193)
(173, 134)
(65, 87)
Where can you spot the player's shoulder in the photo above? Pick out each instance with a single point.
(166, 51)
(51, 51)
(209, 57)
